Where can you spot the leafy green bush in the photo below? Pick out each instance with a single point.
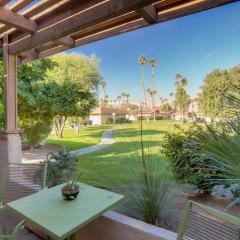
(108, 120)
(186, 159)
(122, 121)
(37, 129)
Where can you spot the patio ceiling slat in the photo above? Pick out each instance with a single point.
(19, 5)
(16, 20)
(15, 7)
(4, 2)
(82, 20)
(59, 11)
(63, 24)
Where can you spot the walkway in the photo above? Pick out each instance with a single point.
(106, 140)
(39, 154)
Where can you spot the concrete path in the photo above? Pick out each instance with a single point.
(106, 140)
(37, 155)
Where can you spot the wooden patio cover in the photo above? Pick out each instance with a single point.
(34, 29)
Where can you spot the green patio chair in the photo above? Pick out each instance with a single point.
(201, 222)
(20, 180)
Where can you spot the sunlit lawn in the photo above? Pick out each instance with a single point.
(89, 135)
(114, 163)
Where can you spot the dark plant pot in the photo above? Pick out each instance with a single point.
(70, 193)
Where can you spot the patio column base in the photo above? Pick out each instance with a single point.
(10, 147)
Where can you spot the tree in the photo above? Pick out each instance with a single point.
(181, 96)
(104, 85)
(127, 95)
(153, 62)
(215, 85)
(74, 82)
(77, 68)
(66, 100)
(142, 61)
(34, 117)
(119, 98)
(106, 101)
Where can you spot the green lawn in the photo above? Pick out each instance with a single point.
(89, 135)
(114, 163)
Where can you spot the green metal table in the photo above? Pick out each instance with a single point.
(60, 218)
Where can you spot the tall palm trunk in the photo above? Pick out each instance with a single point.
(104, 93)
(153, 94)
(143, 85)
(153, 90)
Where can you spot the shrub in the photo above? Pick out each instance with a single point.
(37, 129)
(108, 120)
(186, 159)
(59, 165)
(122, 121)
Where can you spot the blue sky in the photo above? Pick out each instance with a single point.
(192, 45)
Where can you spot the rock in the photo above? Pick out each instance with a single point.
(228, 194)
(218, 190)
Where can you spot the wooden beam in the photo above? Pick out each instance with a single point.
(10, 88)
(16, 20)
(4, 2)
(29, 12)
(67, 41)
(102, 12)
(19, 5)
(39, 7)
(92, 38)
(164, 14)
(148, 13)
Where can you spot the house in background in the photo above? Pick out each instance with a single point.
(100, 115)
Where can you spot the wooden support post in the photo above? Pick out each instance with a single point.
(10, 88)
(10, 141)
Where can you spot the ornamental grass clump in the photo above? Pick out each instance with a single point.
(152, 189)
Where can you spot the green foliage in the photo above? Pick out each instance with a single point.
(59, 166)
(215, 86)
(108, 120)
(76, 68)
(186, 159)
(73, 83)
(182, 99)
(152, 188)
(36, 128)
(122, 120)
(34, 116)
(221, 143)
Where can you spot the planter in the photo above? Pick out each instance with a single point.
(70, 193)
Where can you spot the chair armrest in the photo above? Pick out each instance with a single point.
(17, 229)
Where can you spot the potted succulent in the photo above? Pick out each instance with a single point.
(71, 190)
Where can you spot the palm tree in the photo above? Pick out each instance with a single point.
(142, 61)
(127, 95)
(181, 96)
(119, 98)
(104, 85)
(123, 96)
(184, 81)
(153, 62)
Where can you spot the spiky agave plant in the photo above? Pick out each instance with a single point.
(221, 143)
